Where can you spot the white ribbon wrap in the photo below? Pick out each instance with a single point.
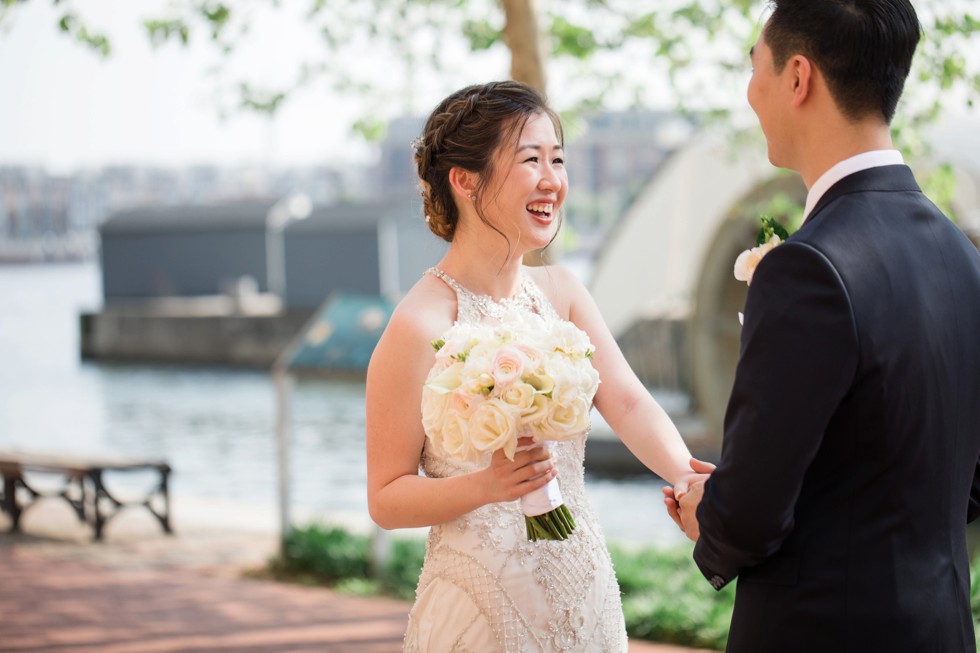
(544, 499)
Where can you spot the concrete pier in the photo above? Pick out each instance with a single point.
(201, 334)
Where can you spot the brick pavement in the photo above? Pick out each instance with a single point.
(144, 592)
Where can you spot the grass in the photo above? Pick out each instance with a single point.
(665, 597)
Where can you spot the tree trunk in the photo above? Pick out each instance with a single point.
(524, 42)
(523, 39)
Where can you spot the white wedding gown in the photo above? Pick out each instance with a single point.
(484, 587)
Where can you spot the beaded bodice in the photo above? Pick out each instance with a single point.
(477, 308)
(529, 597)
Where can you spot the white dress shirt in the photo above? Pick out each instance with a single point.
(863, 161)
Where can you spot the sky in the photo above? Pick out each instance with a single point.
(64, 107)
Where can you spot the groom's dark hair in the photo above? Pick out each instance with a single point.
(863, 48)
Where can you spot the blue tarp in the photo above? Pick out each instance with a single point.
(341, 336)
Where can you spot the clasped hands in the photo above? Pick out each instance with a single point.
(683, 498)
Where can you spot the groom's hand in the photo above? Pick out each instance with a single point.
(689, 510)
(700, 471)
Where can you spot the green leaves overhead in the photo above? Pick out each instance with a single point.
(570, 39)
(262, 101)
(161, 31)
(72, 25)
(481, 34)
(396, 55)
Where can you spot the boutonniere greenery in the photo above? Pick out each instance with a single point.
(770, 235)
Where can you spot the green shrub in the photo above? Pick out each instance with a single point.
(327, 553)
(665, 597)
(401, 575)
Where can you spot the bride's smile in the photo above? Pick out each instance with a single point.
(529, 185)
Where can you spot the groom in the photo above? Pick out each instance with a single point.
(849, 466)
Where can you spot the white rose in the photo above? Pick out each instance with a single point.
(465, 403)
(749, 260)
(565, 390)
(519, 396)
(537, 411)
(455, 439)
(434, 405)
(493, 426)
(563, 421)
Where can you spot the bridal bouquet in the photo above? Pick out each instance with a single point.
(494, 383)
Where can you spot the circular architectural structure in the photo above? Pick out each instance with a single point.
(664, 280)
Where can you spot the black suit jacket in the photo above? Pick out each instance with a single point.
(849, 463)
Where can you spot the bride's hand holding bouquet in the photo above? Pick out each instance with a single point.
(508, 480)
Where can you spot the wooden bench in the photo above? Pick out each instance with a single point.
(83, 486)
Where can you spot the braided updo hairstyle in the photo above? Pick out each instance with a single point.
(465, 131)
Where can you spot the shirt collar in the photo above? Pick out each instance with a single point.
(863, 161)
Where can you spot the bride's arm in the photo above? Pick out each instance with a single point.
(626, 405)
(398, 497)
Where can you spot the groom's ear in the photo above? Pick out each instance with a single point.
(801, 77)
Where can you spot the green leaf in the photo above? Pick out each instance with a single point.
(261, 101)
(162, 30)
(572, 40)
(770, 228)
(480, 34)
(370, 128)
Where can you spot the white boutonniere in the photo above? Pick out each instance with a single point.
(770, 235)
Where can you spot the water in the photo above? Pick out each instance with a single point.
(214, 426)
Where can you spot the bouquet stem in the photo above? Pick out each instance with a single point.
(554, 525)
(545, 515)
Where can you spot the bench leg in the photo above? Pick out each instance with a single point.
(10, 502)
(99, 492)
(165, 491)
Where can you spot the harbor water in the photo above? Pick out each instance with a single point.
(214, 426)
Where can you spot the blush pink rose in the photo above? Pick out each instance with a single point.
(508, 366)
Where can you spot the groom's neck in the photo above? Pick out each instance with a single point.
(835, 139)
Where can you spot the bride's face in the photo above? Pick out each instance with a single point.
(528, 185)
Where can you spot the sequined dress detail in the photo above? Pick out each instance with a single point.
(484, 587)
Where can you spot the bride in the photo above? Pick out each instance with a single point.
(493, 179)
